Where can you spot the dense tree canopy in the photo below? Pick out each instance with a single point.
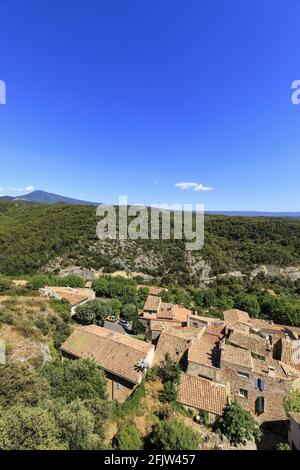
(75, 379)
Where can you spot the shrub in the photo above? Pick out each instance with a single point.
(80, 378)
(129, 438)
(169, 393)
(238, 425)
(173, 434)
(291, 403)
(169, 371)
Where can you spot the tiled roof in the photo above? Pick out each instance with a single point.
(181, 313)
(113, 352)
(252, 342)
(153, 290)
(152, 303)
(236, 356)
(204, 350)
(290, 371)
(208, 320)
(175, 342)
(200, 393)
(236, 315)
(166, 311)
(72, 295)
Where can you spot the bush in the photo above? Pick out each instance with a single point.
(129, 311)
(283, 446)
(173, 434)
(95, 311)
(169, 371)
(129, 438)
(169, 393)
(80, 378)
(291, 403)
(238, 425)
(20, 384)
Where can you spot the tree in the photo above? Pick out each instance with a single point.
(169, 371)
(169, 393)
(238, 425)
(71, 280)
(38, 281)
(80, 378)
(129, 311)
(248, 303)
(28, 428)
(292, 402)
(129, 438)
(77, 427)
(21, 384)
(173, 434)
(95, 311)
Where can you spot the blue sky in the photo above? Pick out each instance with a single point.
(130, 97)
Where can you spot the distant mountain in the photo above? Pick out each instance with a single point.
(255, 214)
(42, 197)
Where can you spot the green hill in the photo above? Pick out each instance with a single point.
(35, 236)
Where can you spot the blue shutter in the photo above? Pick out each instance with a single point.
(256, 384)
(262, 385)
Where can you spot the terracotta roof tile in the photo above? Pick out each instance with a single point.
(252, 342)
(114, 352)
(234, 315)
(200, 393)
(236, 356)
(204, 350)
(152, 303)
(175, 342)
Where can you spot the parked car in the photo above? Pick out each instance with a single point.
(113, 318)
(124, 323)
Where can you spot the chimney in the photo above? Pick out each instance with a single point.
(271, 371)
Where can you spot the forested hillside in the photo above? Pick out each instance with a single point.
(35, 236)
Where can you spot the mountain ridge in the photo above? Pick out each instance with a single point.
(44, 197)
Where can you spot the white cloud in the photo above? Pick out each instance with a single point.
(17, 190)
(194, 186)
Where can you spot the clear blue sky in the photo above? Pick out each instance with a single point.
(109, 97)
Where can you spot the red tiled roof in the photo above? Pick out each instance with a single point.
(113, 352)
(202, 394)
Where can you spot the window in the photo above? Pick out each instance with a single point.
(260, 405)
(243, 393)
(243, 374)
(259, 384)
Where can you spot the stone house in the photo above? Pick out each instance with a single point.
(176, 342)
(122, 358)
(204, 355)
(75, 296)
(157, 314)
(260, 385)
